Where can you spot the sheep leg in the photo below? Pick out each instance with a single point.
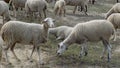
(74, 9)
(104, 50)
(32, 51)
(12, 49)
(93, 1)
(44, 12)
(64, 11)
(40, 15)
(109, 51)
(108, 47)
(31, 15)
(38, 51)
(60, 13)
(84, 9)
(80, 8)
(14, 9)
(5, 51)
(56, 11)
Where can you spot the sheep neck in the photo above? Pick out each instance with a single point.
(69, 40)
(45, 31)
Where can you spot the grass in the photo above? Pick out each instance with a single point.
(71, 56)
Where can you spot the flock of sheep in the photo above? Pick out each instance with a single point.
(13, 32)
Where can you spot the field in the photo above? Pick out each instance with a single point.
(70, 59)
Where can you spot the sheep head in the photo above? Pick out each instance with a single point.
(61, 48)
(48, 23)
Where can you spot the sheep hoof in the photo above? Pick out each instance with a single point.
(31, 61)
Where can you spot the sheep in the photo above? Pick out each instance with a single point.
(14, 32)
(82, 3)
(8, 1)
(36, 6)
(17, 4)
(115, 20)
(4, 11)
(91, 31)
(59, 7)
(114, 9)
(60, 32)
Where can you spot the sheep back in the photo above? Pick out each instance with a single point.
(61, 31)
(93, 31)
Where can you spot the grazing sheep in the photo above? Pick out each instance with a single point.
(115, 20)
(92, 31)
(60, 32)
(4, 11)
(59, 7)
(82, 3)
(36, 6)
(114, 9)
(25, 33)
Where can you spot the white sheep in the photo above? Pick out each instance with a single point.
(115, 20)
(59, 7)
(32, 6)
(14, 32)
(92, 31)
(60, 32)
(4, 11)
(82, 3)
(114, 9)
(16, 4)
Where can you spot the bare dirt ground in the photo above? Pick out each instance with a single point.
(69, 60)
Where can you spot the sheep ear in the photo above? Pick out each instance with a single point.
(44, 21)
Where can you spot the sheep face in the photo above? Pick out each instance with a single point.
(61, 48)
(49, 21)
